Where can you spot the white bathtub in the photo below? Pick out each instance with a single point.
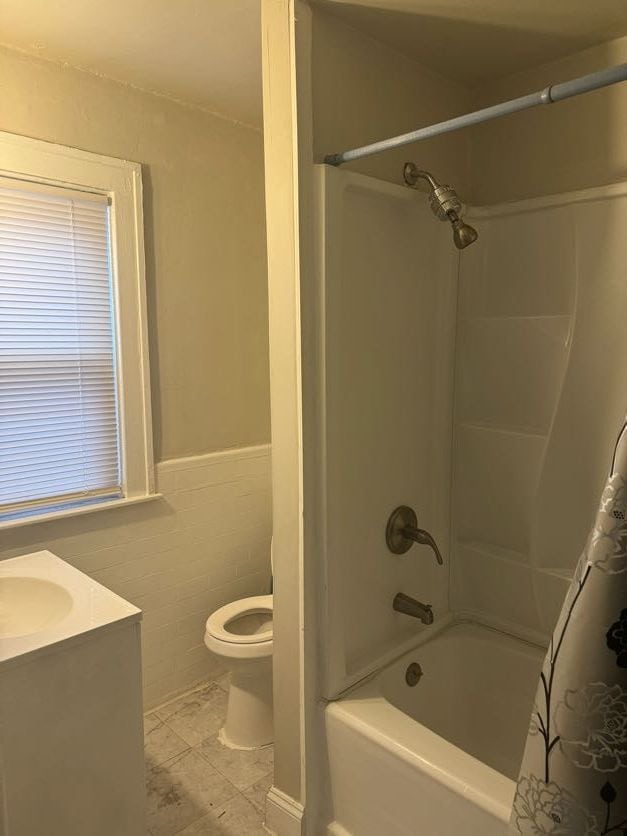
(439, 758)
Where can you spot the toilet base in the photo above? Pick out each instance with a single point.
(249, 723)
(225, 741)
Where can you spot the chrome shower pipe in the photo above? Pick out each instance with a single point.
(412, 174)
(550, 95)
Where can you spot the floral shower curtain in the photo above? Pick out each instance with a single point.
(573, 778)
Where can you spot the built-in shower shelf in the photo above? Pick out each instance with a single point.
(494, 550)
(563, 574)
(562, 319)
(532, 432)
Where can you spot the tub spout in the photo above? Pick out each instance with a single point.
(409, 606)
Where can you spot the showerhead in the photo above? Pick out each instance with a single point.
(463, 233)
(445, 204)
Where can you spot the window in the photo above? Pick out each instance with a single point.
(74, 407)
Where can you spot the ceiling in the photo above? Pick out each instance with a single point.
(205, 52)
(475, 40)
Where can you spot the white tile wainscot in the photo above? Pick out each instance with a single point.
(204, 543)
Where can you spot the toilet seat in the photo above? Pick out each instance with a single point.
(218, 622)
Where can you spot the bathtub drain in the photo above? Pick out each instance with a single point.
(413, 674)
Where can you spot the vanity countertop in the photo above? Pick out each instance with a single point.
(45, 602)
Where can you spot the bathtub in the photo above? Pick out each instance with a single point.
(439, 758)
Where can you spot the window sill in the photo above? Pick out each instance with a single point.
(77, 511)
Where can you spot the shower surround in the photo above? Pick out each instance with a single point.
(481, 389)
(539, 393)
(388, 306)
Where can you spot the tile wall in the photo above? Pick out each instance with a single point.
(517, 292)
(540, 397)
(204, 543)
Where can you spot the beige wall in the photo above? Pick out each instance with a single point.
(206, 541)
(571, 145)
(363, 91)
(205, 242)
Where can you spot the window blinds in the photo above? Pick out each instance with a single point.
(59, 437)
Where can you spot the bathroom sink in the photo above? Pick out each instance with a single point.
(28, 605)
(46, 603)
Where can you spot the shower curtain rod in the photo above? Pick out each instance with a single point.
(551, 94)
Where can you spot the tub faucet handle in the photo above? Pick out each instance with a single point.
(420, 535)
(402, 531)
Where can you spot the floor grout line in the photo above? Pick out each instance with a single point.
(237, 796)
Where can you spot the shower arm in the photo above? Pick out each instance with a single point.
(419, 174)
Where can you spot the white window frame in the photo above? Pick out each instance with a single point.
(38, 162)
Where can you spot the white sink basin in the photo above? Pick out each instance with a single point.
(28, 605)
(45, 603)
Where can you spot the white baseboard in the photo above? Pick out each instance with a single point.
(284, 815)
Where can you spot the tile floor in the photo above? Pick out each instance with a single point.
(195, 785)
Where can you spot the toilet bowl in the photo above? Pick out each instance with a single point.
(241, 634)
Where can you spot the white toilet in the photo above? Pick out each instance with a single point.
(241, 633)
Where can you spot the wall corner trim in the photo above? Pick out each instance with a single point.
(284, 815)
